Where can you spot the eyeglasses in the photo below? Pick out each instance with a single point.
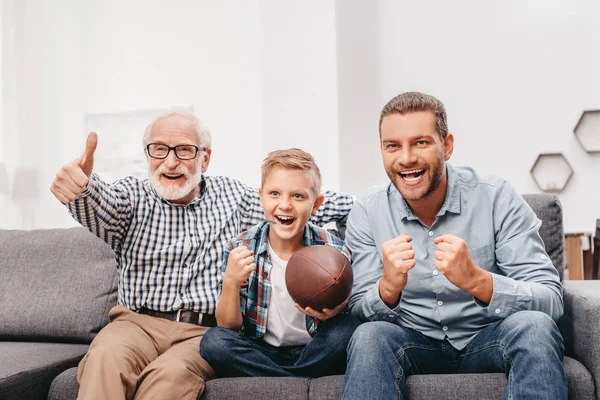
(182, 151)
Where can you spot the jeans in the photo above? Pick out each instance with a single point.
(231, 353)
(527, 346)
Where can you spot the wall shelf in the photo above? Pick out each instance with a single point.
(587, 131)
(551, 172)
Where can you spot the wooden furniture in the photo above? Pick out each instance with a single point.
(582, 261)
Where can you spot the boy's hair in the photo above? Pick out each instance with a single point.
(293, 159)
(413, 102)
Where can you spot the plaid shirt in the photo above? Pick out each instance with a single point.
(254, 298)
(168, 255)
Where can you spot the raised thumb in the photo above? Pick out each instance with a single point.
(86, 161)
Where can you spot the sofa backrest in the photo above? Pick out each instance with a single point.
(548, 208)
(55, 285)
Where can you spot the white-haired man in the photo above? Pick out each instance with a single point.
(168, 235)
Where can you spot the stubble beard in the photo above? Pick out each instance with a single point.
(437, 172)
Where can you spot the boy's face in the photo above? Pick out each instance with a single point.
(287, 198)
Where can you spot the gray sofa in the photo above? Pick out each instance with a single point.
(56, 287)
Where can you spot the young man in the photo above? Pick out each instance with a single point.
(450, 269)
(277, 338)
(168, 235)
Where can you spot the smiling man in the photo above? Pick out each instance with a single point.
(168, 234)
(449, 269)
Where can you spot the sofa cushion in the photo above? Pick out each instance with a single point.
(268, 388)
(64, 386)
(548, 208)
(28, 368)
(55, 285)
(461, 386)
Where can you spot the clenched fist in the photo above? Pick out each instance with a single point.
(239, 266)
(453, 259)
(72, 179)
(398, 259)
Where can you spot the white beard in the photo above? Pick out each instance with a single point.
(175, 191)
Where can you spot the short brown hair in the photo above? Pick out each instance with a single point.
(293, 159)
(413, 102)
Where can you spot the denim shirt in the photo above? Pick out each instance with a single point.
(254, 298)
(501, 232)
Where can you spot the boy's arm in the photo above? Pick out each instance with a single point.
(238, 264)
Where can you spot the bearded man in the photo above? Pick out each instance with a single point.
(449, 270)
(168, 235)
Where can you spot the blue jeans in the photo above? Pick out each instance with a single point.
(231, 353)
(526, 346)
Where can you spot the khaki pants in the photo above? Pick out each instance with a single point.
(143, 357)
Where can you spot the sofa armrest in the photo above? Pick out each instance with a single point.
(580, 325)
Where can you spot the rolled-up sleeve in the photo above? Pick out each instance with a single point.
(530, 281)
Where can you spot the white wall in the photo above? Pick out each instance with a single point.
(261, 75)
(514, 76)
(266, 74)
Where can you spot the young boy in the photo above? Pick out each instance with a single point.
(261, 331)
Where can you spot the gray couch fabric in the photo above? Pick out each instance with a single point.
(27, 369)
(55, 285)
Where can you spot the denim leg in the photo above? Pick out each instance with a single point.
(230, 353)
(382, 354)
(528, 347)
(325, 354)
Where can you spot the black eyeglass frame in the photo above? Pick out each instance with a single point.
(174, 148)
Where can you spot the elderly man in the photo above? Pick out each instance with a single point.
(168, 235)
(450, 270)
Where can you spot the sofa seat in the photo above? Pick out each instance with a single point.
(420, 387)
(457, 386)
(28, 368)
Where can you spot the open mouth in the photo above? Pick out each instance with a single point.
(412, 175)
(285, 219)
(173, 177)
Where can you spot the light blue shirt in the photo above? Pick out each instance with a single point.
(501, 232)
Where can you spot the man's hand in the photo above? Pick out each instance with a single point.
(453, 259)
(398, 259)
(325, 313)
(239, 266)
(72, 179)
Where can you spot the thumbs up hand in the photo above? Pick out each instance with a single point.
(72, 179)
(86, 160)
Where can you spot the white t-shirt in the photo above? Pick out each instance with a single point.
(286, 326)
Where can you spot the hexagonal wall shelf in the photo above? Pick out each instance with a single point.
(551, 172)
(587, 131)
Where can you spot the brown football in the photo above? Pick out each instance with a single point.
(318, 277)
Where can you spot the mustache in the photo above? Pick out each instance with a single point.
(180, 169)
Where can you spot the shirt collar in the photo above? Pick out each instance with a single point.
(452, 201)
(311, 236)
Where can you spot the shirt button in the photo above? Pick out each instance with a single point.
(435, 272)
(185, 265)
(497, 311)
(390, 315)
(430, 233)
(444, 328)
(440, 303)
(543, 257)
